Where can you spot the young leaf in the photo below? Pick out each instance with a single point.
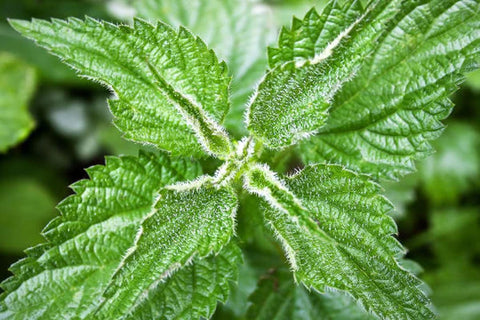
(187, 221)
(17, 84)
(278, 297)
(171, 90)
(239, 32)
(65, 277)
(383, 119)
(336, 232)
(293, 100)
(192, 292)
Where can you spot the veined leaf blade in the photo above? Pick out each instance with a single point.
(65, 277)
(292, 102)
(193, 220)
(193, 291)
(336, 231)
(239, 32)
(383, 120)
(171, 90)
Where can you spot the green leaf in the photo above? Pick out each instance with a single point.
(192, 292)
(17, 85)
(455, 168)
(171, 90)
(336, 231)
(293, 100)
(188, 220)
(383, 118)
(278, 297)
(239, 32)
(64, 278)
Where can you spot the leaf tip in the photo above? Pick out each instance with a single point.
(19, 25)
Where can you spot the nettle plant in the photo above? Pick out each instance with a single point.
(357, 92)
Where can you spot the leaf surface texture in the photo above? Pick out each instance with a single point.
(192, 221)
(239, 32)
(171, 90)
(192, 292)
(385, 116)
(336, 232)
(64, 278)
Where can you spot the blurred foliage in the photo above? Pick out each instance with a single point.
(473, 80)
(438, 208)
(17, 83)
(455, 168)
(26, 207)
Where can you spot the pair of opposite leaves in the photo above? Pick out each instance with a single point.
(173, 93)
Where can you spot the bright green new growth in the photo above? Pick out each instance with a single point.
(293, 100)
(367, 85)
(17, 84)
(236, 29)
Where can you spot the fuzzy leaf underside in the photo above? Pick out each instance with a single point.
(239, 32)
(293, 101)
(171, 90)
(277, 297)
(187, 222)
(336, 231)
(17, 84)
(383, 118)
(193, 291)
(64, 278)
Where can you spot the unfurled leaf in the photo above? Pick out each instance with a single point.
(278, 297)
(191, 220)
(193, 291)
(17, 84)
(171, 90)
(293, 100)
(64, 278)
(239, 32)
(366, 81)
(383, 118)
(336, 232)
